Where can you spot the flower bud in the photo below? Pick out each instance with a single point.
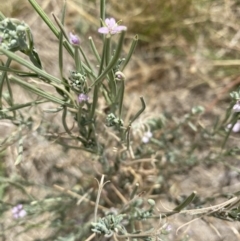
(74, 39)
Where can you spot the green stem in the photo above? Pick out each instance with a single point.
(60, 23)
(132, 48)
(112, 62)
(53, 28)
(2, 17)
(185, 203)
(235, 119)
(2, 77)
(10, 95)
(122, 90)
(5, 68)
(139, 112)
(85, 58)
(96, 87)
(79, 114)
(39, 92)
(60, 49)
(77, 60)
(94, 50)
(112, 82)
(44, 17)
(64, 116)
(107, 49)
(16, 107)
(94, 103)
(25, 63)
(102, 10)
(42, 73)
(133, 119)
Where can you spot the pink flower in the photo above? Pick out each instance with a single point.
(146, 137)
(236, 127)
(166, 229)
(111, 27)
(74, 39)
(83, 98)
(236, 107)
(18, 211)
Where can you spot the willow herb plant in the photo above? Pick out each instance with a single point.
(77, 97)
(72, 96)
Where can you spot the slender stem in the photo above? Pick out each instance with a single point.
(2, 16)
(112, 62)
(122, 90)
(44, 17)
(53, 28)
(235, 119)
(134, 191)
(102, 10)
(21, 187)
(10, 95)
(94, 50)
(25, 63)
(100, 188)
(133, 119)
(85, 58)
(79, 114)
(102, 59)
(20, 150)
(94, 103)
(186, 202)
(5, 68)
(16, 107)
(91, 237)
(42, 73)
(128, 137)
(132, 48)
(39, 92)
(96, 87)
(139, 112)
(64, 116)
(3, 76)
(77, 60)
(60, 50)
(60, 23)
(112, 82)
(107, 49)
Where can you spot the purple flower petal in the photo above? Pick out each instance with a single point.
(74, 39)
(236, 127)
(111, 27)
(14, 210)
(146, 136)
(103, 30)
(83, 98)
(236, 107)
(110, 22)
(18, 211)
(169, 228)
(19, 206)
(22, 213)
(145, 139)
(120, 28)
